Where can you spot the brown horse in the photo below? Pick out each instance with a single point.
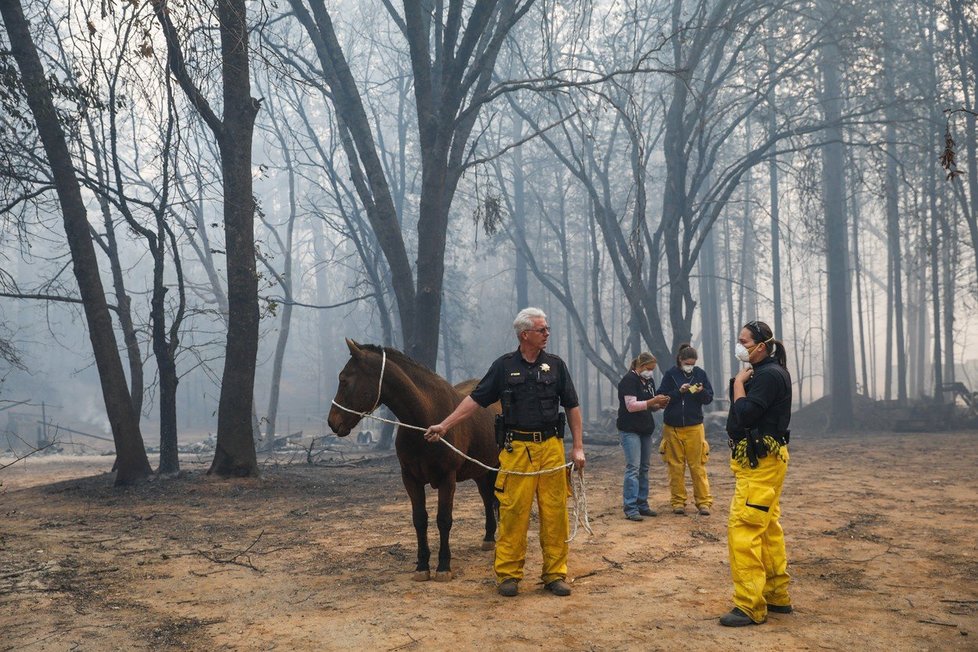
(420, 397)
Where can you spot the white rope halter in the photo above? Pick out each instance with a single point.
(380, 381)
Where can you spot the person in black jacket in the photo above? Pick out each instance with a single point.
(760, 410)
(683, 435)
(531, 385)
(636, 402)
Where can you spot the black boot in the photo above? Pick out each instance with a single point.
(736, 618)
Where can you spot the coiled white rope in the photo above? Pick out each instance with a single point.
(580, 504)
(577, 484)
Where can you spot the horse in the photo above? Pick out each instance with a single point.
(419, 397)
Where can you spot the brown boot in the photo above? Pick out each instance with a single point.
(508, 588)
(559, 587)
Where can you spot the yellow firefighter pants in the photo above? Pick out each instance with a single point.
(682, 447)
(755, 540)
(515, 494)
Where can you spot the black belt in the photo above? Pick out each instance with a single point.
(782, 438)
(532, 435)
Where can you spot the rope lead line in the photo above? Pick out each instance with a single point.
(580, 498)
(444, 441)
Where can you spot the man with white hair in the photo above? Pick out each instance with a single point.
(531, 385)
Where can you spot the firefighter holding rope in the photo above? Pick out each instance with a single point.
(531, 385)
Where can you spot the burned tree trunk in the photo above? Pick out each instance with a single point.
(131, 462)
(836, 243)
(891, 186)
(235, 454)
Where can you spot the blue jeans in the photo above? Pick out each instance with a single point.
(635, 490)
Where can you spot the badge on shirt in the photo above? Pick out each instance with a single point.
(544, 367)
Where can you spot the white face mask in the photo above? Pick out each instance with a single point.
(646, 374)
(741, 352)
(744, 355)
(687, 368)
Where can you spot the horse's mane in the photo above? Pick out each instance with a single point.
(406, 362)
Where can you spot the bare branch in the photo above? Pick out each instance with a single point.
(311, 305)
(178, 66)
(49, 297)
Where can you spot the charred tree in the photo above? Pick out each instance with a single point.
(839, 332)
(132, 464)
(235, 454)
(895, 324)
(453, 57)
(284, 279)
(710, 304)
(109, 245)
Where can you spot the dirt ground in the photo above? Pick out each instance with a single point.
(881, 535)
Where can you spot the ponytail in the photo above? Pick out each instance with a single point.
(763, 334)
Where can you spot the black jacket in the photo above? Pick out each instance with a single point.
(641, 422)
(536, 389)
(767, 405)
(685, 409)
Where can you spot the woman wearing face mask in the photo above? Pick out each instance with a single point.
(636, 402)
(683, 435)
(760, 409)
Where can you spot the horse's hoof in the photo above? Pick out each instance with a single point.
(422, 576)
(443, 576)
(488, 545)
